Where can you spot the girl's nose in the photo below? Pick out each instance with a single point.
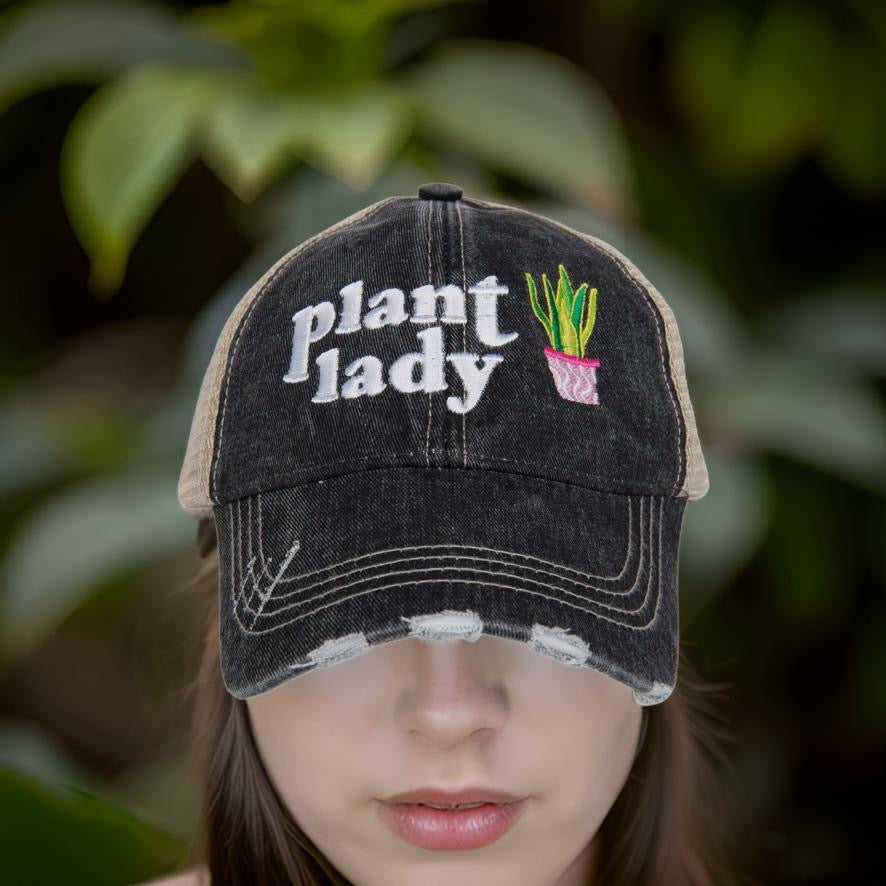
(454, 693)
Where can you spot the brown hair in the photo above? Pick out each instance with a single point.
(667, 826)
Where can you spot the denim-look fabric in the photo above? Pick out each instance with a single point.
(358, 519)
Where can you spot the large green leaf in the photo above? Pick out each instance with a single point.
(161, 791)
(35, 752)
(528, 112)
(124, 151)
(704, 65)
(31, 449)
(68, 836)
(353, 134)
(786, 87)
(44, 44)
(759, 90)
(848, 324)
(723, 530)
(81, 537)
(253, 132)
(854, 146)
(814, 410)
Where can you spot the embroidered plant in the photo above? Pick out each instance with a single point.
(569, 319)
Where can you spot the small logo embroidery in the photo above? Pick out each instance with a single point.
(568, 321)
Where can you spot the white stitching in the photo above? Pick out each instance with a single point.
(587, 586)
(431, 281)
(469, 548)
(410, 583)
(265, 595)
(464, 346)
(642, 627)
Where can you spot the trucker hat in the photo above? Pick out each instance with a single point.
(444, 417)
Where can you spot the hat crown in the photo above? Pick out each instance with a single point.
(450, 333)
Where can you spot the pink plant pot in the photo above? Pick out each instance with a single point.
(575, 377)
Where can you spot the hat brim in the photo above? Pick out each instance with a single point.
(315, 573)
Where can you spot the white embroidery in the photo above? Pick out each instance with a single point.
(487, 291)
(422, 370)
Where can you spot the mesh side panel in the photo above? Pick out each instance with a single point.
(695, 483)
(193, 484)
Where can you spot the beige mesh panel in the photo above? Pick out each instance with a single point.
(695, 483)
(193, 484)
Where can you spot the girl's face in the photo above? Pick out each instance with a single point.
(415, 713)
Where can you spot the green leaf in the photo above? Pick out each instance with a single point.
(578, 303)
(527, 112)
(251, 134)
(551, 299)
(811, 410)
(93, 843)
(784, 94)
(536, 307)
(564, 314)
(588, 327)
(705, 63)
(35, 752)
(124, 151)
(759, 91)
(854, 145)
(81, 537)
(724, 529)
(254, 133)
(353, 135)
(50, 43)
(843, 324)
(160, 790)
(31, 448)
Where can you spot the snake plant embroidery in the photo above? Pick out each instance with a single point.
(568, 322)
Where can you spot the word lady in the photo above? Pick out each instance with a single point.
(365, 375)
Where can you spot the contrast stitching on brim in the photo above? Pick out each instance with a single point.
(269, 594)
(235, 599)
(471, 548)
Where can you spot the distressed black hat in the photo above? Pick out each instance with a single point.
(444, 417)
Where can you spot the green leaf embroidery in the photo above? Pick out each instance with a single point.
(563, 323)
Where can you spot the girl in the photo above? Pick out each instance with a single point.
(266, 780)
(442, 610)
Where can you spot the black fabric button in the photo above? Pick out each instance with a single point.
(440, 191)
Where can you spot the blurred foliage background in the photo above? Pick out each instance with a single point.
(158, 157)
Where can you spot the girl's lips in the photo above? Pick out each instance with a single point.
(450, 829)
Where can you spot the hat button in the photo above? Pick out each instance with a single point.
(440, 191)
